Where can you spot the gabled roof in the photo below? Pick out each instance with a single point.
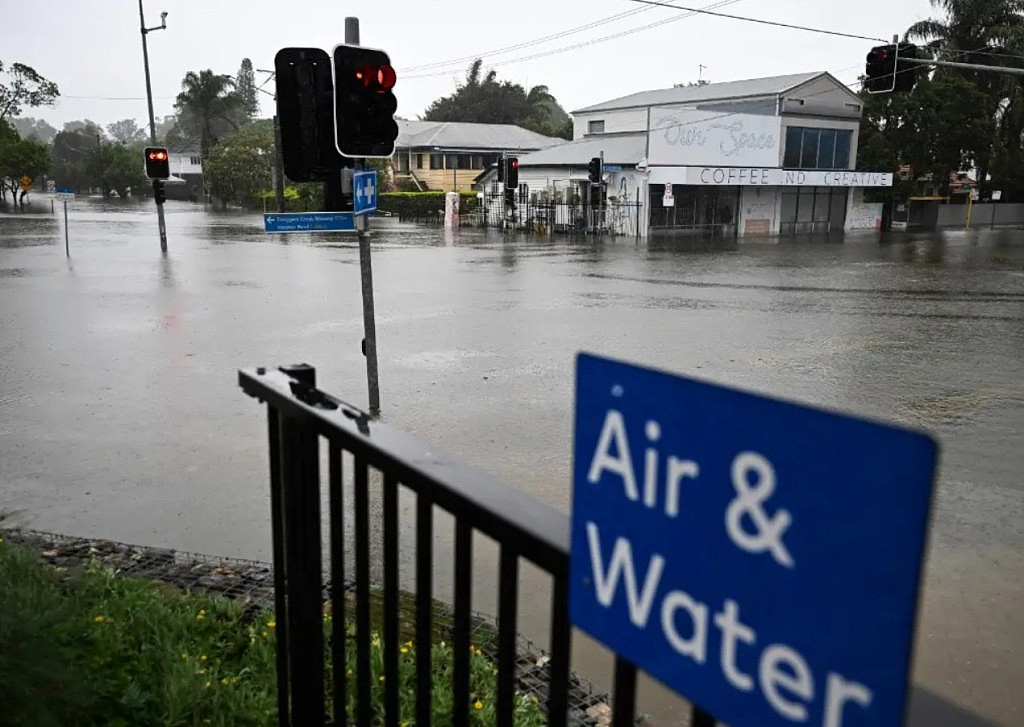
(458, 135)
(730, 90)
(626, 148)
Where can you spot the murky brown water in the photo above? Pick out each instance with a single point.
(120, 417)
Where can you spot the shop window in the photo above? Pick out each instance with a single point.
(808, 148)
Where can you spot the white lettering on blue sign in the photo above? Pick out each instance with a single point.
(796, 679)
(761, 558)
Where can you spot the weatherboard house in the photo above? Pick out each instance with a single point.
(765, 156)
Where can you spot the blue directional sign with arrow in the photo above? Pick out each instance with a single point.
(309, 222)
(364, 192)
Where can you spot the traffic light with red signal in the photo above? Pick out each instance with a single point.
(364, 103)
(888, 68)
(158, 162)
(511, 173)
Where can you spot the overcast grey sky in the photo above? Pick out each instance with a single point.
(92, 48)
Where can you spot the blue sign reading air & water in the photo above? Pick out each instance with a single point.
(308, 222)
(759, 557)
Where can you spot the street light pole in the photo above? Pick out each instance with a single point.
(152, 120)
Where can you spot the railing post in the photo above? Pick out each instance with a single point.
(301, 549)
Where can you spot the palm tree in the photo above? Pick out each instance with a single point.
(986, 32)
(207, 98)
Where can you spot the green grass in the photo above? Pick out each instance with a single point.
(87, 647)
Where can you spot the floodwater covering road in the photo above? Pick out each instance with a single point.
(120, 416)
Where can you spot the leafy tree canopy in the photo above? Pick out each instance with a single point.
(483, 99)
(30, 128)
(127, 131)
(239, 166)
(19, 157)
(22, 86)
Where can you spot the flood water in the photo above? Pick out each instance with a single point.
(120, 416)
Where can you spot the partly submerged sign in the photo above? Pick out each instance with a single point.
(759, 557)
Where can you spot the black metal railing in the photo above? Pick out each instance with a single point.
(299, 415)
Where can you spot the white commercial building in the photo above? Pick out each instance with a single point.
(765, 156)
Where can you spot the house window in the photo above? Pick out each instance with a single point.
(419, 161)
(195, 161)
(595, 127)
(437, 161)
(403, 162)
(808, 148)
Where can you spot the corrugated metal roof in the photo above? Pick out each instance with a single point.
(771, 86)
(461, 135)
(625, 148)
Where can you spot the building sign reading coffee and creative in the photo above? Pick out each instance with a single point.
(684, 136)
(767, 177)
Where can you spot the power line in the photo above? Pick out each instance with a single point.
(525, 44)
(757, 20)
(687, 14)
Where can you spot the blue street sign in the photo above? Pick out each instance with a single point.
(759, 557)
(309, 222)
(65, 190)
(364, 192)
(612, 167)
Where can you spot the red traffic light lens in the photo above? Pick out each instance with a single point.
(386, 77)
(158, 156)
(515, 164)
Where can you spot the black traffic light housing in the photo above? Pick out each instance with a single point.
(157, 161)
(511, 173)
(364, 104)
(159, 194)
(305, 115)
(906, 73)
(880, 69)
(595, 170)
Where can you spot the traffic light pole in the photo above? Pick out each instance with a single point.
(366, 271)
(967, 66)
(152, 120)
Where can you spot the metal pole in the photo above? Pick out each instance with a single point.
(152, 121)
(366, 271)
(67, 248)
(968, 66)
(279, 167)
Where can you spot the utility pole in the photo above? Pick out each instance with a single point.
(366, 270)
(278, 155)
(152, 120)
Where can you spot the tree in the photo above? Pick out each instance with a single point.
(245, 86)
(239, 166)
(86, 126)
(21, 86)
(114, 167)
(68, 154)
(483, 100)
(30, 128)
(207, 105)
(127, 131)
(978, 31)
(19, 157)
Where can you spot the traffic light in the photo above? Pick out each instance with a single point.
(906, 73)
(364, 104)
(158, 162)
(511, 173)
(595, 169)
(881, 69)
(305, 115)
(158, 191)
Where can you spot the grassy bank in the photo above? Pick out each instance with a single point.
(83, 646)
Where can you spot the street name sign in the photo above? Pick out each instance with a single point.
(364, 192)
(280, 222)
(759, 557)
(65, 193)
